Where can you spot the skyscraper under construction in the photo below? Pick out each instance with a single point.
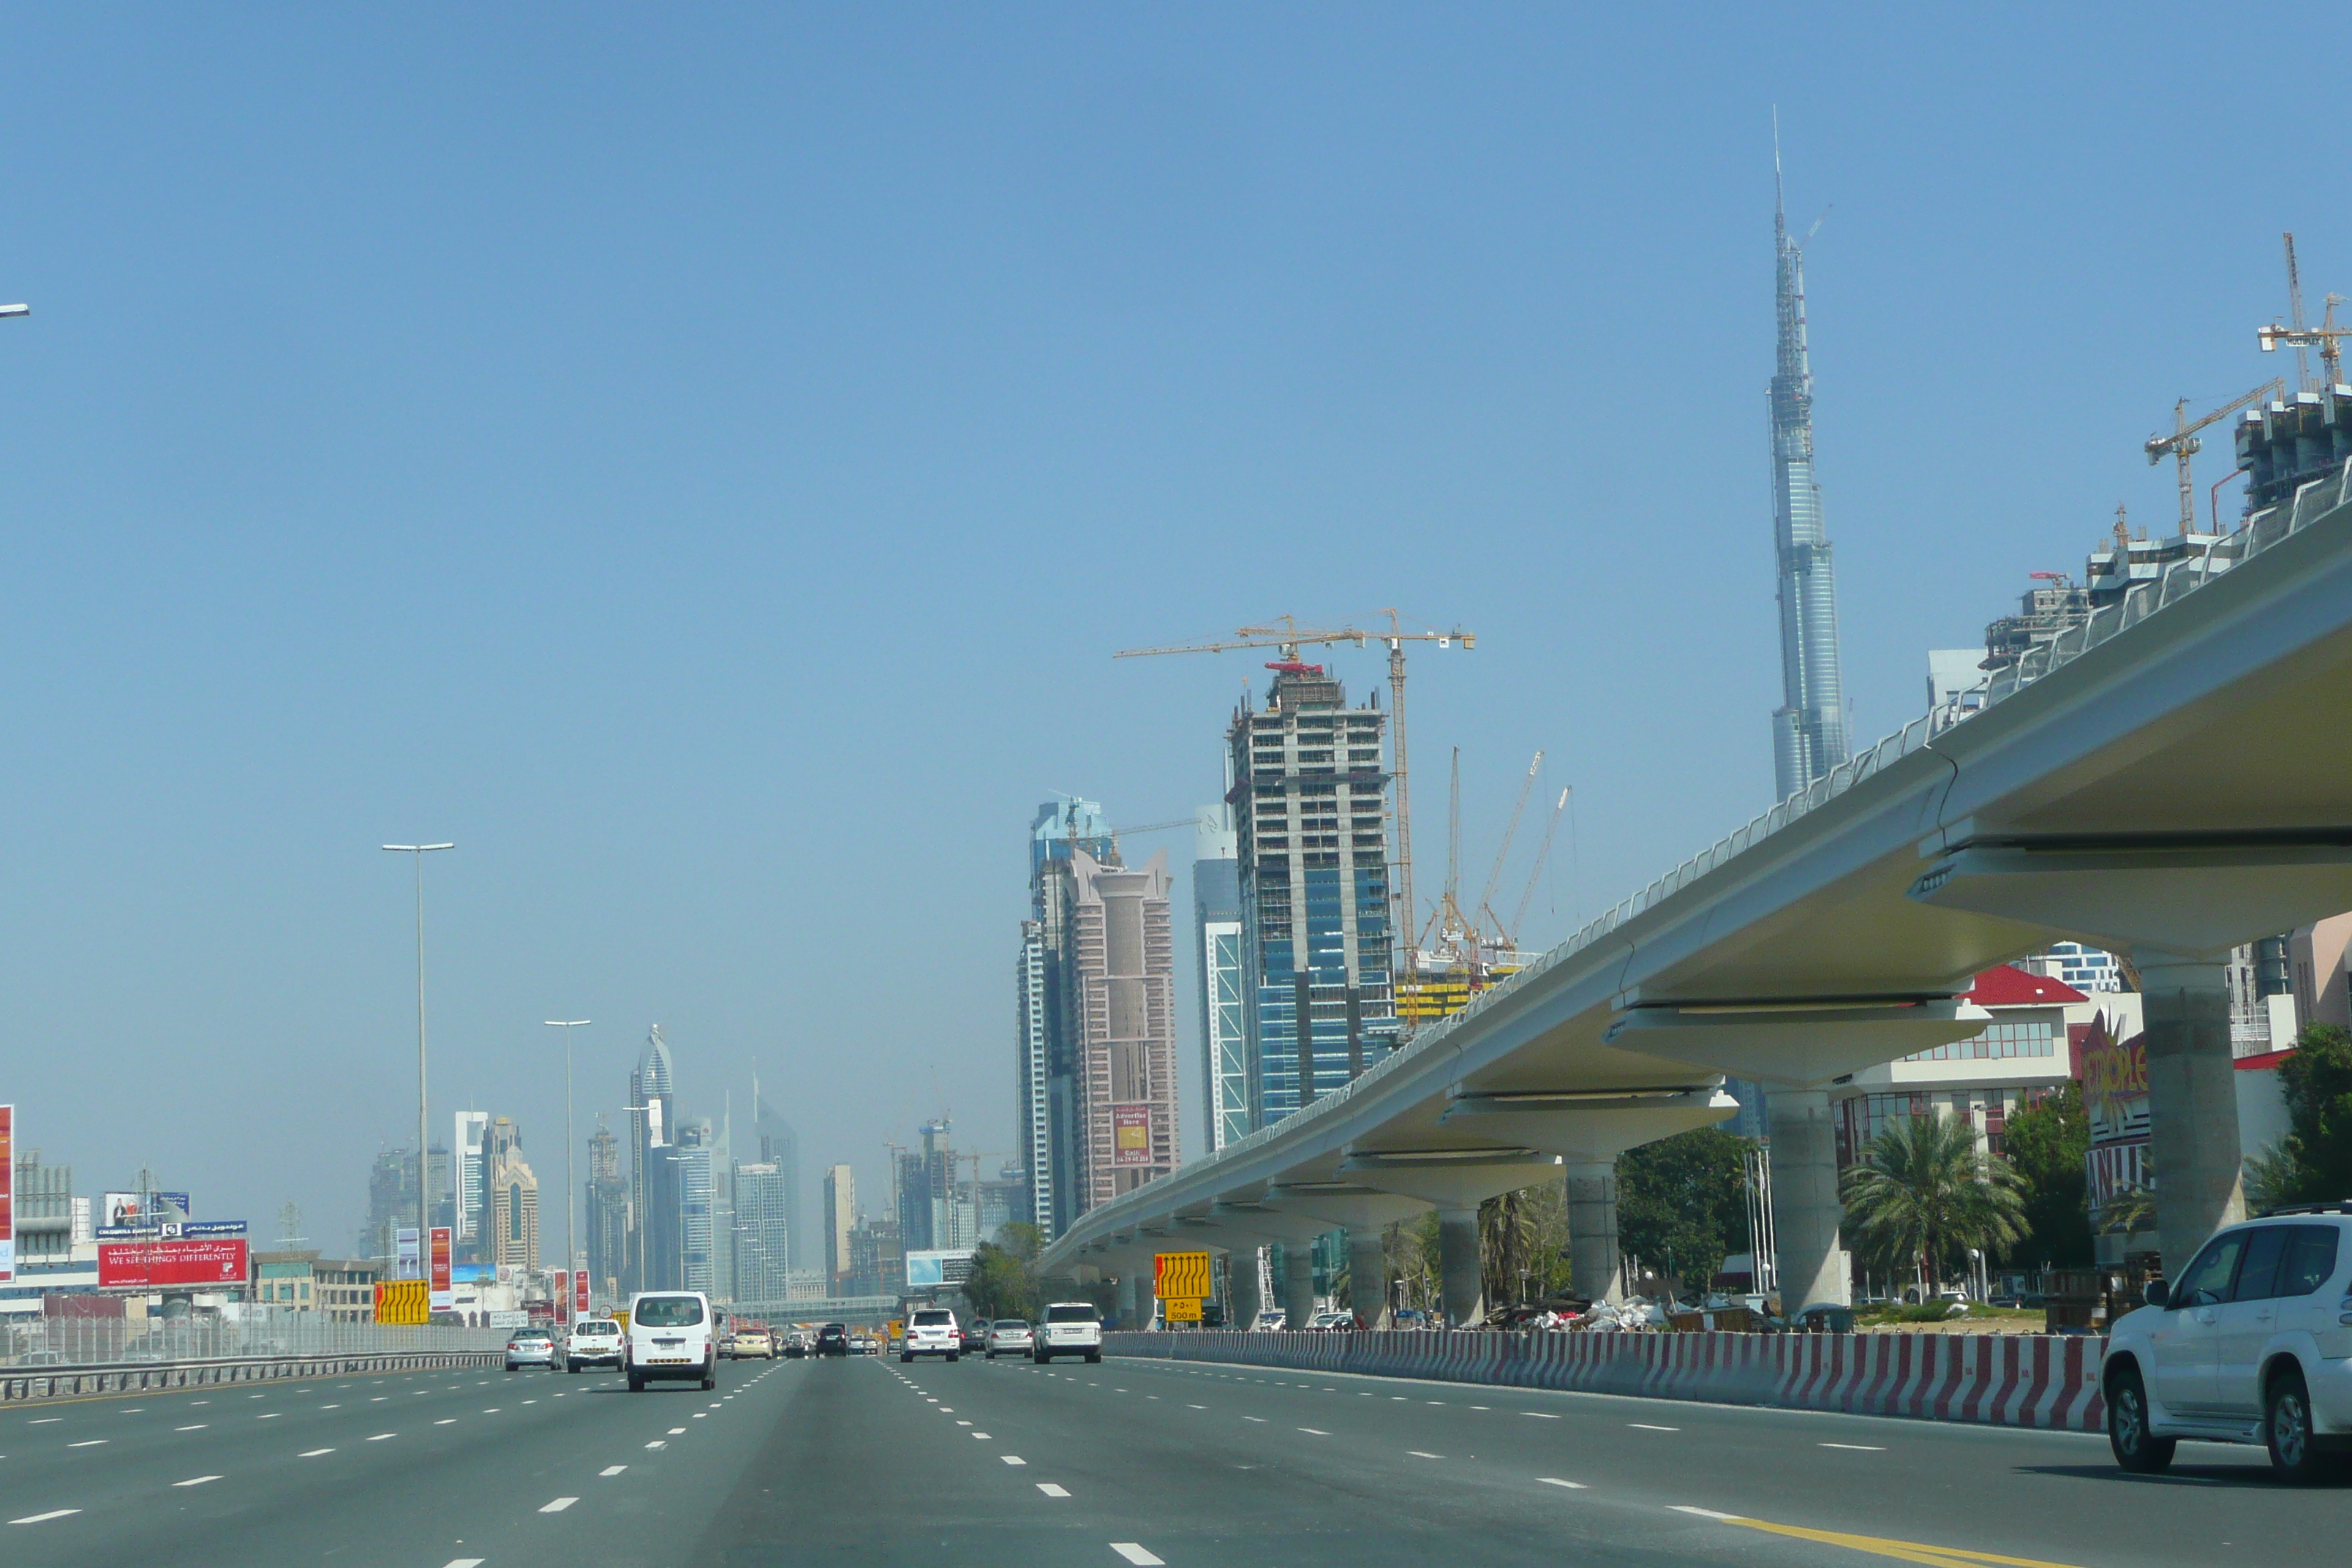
(1809, 735)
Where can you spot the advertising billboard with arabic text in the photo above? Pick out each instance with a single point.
(146, 1264)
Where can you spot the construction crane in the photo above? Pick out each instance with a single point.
(2182, 442)
(2325, 337)
(1287, 639)
(1543, 852)
(1070, 833)
(1510, 831)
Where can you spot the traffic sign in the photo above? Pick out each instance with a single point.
(1180, 1309)
(1181, 1275)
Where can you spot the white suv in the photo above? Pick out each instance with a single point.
(2251, 1344)
(670, 1338)
(1071, 1328)
(931, 1330)
(595, 1341)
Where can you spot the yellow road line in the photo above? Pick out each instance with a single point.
(1908, 1550)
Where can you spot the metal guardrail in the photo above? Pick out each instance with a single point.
(45, 1342)
(23, 1384)
(2260, 531)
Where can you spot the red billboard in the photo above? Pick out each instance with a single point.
(580, 1293)
(1130, 1135)
(439, 1298)
(560, 1296)
(145, 1265)
(8, 1193)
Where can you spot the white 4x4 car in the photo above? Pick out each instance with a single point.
(595, 1341)
(1071, 1328)
(2251, 1344)
(931, 1330)
(671, 1337)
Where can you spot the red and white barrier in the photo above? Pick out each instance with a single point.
(2004, 1380)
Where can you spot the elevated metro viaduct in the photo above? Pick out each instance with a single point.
(2169, 780)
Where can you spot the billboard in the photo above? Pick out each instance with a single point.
(1130, 1135)
(407, 1261)
(136, 1209)
(932, 1270)
(146, 1264)
(439, 1297)
(580, 1293)
(8, 1193)
(559, 1296)
(171, 1229)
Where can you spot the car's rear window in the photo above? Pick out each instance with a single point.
(933, 1320)
(667, 1312)
(1011, 1322)
(600, 1327)
(1069, 1314)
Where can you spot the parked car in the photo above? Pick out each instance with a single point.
(671, 1338)
(2251, 1344)
(1010, 1336)
(595, 1341)
(1339, 1318)
(832, 1340)
(931, 1330)
(533, 1346)
(1071, 1328)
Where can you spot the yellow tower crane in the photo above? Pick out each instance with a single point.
(2181, 441)
(1287, 639)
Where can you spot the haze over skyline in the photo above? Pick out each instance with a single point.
(702, 465)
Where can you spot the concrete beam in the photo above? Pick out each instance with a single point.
(1795, 1044)
(1587, 1125)
(1452, 1178)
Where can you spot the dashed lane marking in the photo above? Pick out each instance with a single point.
(677, 1431)
(447, 1421)
(197, 1427)
(611, 1470)
(1645, 1426)
(1314, 1432)
(45, 1517)
(1050, 1490)
(382, 1435)
(88, 1443)
(1540, 1415)
(464, 1563)
(196, 1480)
(1013, 1459)
(657, 1443)
(559, 1505)
(1855, 1447)
(1135, 1554)
(1259, 1419)
(1417, 1454)
(313, 1453)
(1556, 1481)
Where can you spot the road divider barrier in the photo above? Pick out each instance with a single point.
(77, 1383)
(2002, 1380)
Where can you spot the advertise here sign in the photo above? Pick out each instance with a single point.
(1130, 1135)
(147, 1265)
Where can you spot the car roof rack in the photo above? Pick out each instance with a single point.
(2342, 1206)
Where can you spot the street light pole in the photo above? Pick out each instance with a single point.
(424, 1160)
(570, 1247)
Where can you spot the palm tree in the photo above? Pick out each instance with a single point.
(1922, 1192)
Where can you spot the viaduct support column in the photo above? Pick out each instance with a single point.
(1134, 1300)
(1460, 1279)
(1368, 1278)
(1298, 1283)
(1242, 1303)
(2192, 1104)
(1806, 1209)
(1595, 1266)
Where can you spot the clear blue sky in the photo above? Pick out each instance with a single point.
(702, 463)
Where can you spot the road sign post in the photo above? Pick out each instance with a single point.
(1181, 1280)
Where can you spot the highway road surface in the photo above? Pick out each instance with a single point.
(864, 1461)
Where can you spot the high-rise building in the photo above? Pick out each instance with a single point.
(840, 1219)
(762, 1236)
(607, 1211)
(1310, 824)
(1217, 949)
(514, 1212)
(926, 1191)
(1047, 1102)
(1809, 732)
(654, 1254)
(999, 1202)
(692, 1160)
(1122, 961)
(781, 1146)
(473, 1172)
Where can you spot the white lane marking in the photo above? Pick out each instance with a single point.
(196, 1480)
(1704, 1512)
(702, 1415)
(1482, 1407)
(464, 1563)
(1050, 1490)
(559, 1505)
(193, 1402)
(197, 1427)
(382, 1435)
(494, 1409)
(51, 1420)
(1540, 1415)
(1137, 1555)
(88, 1443)
(677, 1431)
(447, 1421)
(1419, 1455)
(330, 1407)
(1013, 1459)
(1259, 1419)
(1313, 1432)
(1645, 1426)
(657, 1443)
(1433, 1402)
(963, 1423)
(313, 1453)
(612, 1469)
(530, 1402)
(947, 1409)
(269, 1415)
(1855, 1447)
(1196, 1407)
(45, 1517)
(1556, 1481)
(135, 1410)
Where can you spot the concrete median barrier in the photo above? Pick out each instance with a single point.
(20, 1385)
(2004, 1380)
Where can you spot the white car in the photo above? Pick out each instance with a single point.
(1071, 1328)
(1009, 1336)
(670, 1339)
(595, 1341)
(931, 1330)
(2251, 1344)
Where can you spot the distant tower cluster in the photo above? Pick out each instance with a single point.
(1809, 735)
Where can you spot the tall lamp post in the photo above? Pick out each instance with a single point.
(570, 1247)
(424, 1160)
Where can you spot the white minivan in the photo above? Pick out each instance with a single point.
(671, 1337)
